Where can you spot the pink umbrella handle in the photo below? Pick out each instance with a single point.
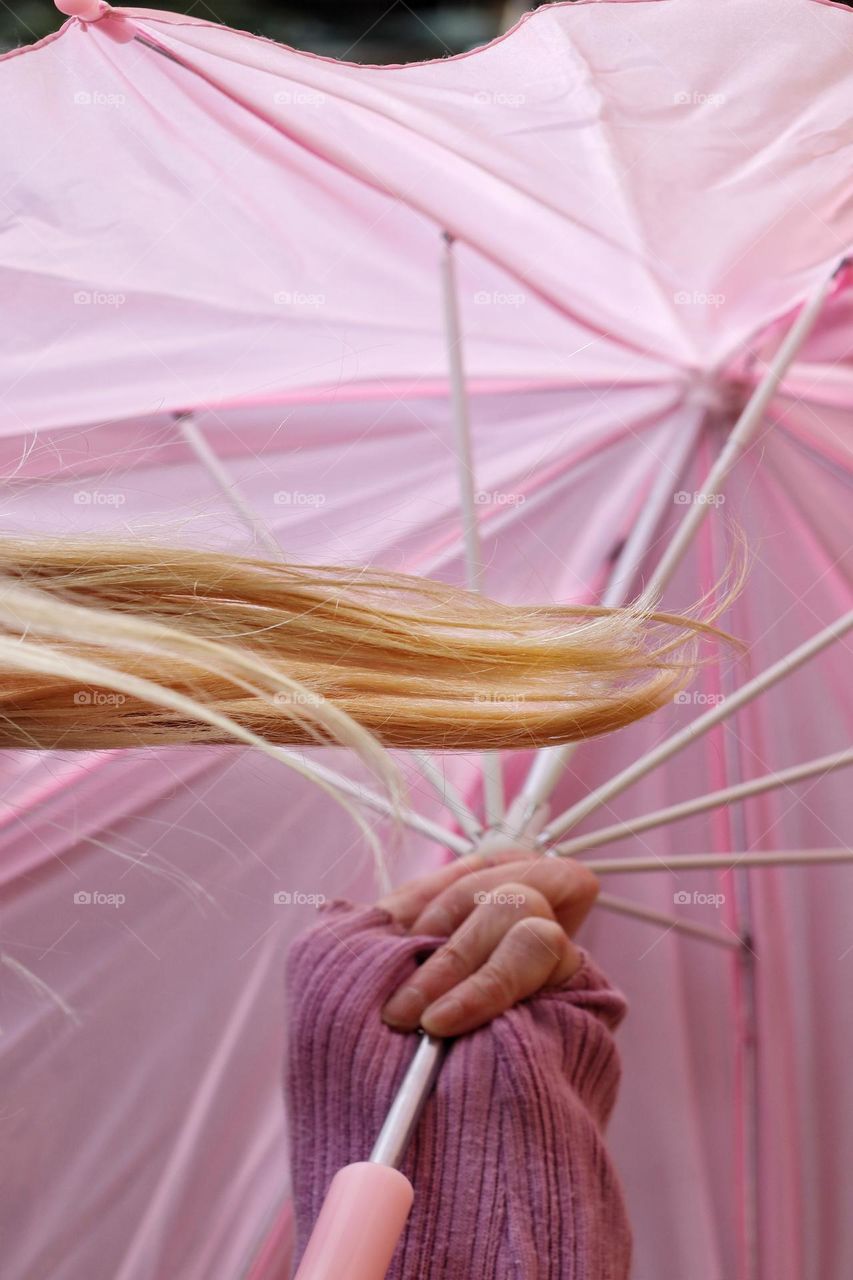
(358, 1227)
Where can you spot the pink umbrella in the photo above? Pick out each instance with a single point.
(585, 286)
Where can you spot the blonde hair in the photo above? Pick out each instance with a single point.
(105, 645)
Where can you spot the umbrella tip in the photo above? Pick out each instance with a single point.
(86, 10)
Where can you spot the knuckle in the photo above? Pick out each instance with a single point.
(495, 985)
(450, 958)
(547, 931)
(557, 956)
(538, 946)
(440, 915)
(515, 888)
(586, 881)
(528, 938)
(515, 895)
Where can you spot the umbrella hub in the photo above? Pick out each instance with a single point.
(719, 395)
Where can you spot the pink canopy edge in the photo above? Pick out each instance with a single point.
(186, 19)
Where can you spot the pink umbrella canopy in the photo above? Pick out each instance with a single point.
(233, 319)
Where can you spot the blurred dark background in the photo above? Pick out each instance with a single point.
(358, 31)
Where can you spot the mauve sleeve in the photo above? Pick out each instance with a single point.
(512, 1179)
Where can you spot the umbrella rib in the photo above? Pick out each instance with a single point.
(373, 800)
(549, 763)
(448, 793)
(195, 438)
(547, 768)
(670, 923)
(200, 446)
(712, 800)
(492, 771)
(684, 737)
(742, 433)
(721, 861)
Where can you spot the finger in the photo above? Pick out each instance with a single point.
(441, 920)
(406, 903)
(463, 954)
(570, 887)
(535, 953)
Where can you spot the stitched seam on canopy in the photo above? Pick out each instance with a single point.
(374, 184)
(620, 178)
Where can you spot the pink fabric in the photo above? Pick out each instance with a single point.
(511, 1178)
(241, 198)
(661, 147)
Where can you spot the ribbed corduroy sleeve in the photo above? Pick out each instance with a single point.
(512, 1181)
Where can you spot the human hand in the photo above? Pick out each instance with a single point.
(508, 919)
